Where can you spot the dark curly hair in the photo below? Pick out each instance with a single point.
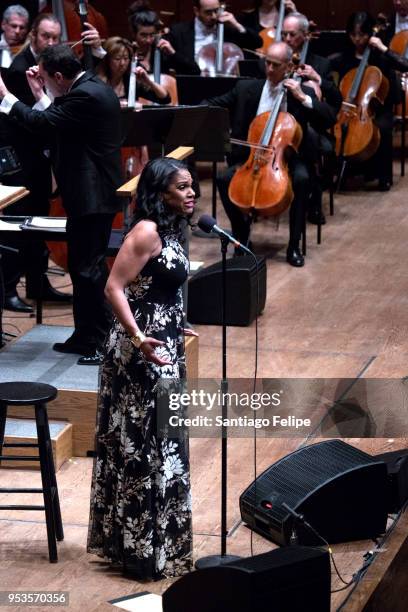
(155, 179)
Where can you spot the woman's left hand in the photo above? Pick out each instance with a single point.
(190, 332)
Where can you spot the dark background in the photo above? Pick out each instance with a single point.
(329, 14)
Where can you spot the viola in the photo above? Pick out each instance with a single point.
(219, 58)
(357, 136)
(263, 183)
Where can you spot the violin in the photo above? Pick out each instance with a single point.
(357, 136)
(263, 183)
(270, 35)
(219, 58)
(399, 44)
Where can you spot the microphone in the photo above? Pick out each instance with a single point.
(208, 224)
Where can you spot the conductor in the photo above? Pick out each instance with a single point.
(82, 127)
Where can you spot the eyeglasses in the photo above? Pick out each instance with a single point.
(290, 34)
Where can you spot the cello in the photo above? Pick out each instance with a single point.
(219, 58)
(270, 35)
(262, 183)
(357, 136)
(399, 44)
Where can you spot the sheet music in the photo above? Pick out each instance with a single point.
(5, 225)
(48, 222)
(146, 602)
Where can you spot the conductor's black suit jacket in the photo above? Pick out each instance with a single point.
(84, 131)
(16, 79)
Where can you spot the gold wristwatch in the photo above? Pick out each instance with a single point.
(138, 339)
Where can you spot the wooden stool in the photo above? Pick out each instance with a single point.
(36, 395)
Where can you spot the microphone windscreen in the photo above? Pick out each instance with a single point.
(206, 223)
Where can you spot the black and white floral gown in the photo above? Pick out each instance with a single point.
(140, 499)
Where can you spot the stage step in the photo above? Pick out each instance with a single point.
(24, 430)
(32, 359)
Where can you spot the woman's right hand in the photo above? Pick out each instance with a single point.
(148, 348)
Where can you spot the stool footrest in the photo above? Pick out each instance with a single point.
(22, 507)
(20, 445)
(15, 490)
(18, 458)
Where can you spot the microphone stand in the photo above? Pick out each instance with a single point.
(223, 558)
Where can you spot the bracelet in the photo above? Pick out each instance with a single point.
(138, 339)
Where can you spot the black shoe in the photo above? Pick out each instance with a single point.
(316, 217)
(52, 295)
(15, 304)
(95, 359)
(294, 257)
(384, 185)
(71, 346)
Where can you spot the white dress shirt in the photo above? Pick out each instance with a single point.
(202, 35)
(401, 23)
(269, 94)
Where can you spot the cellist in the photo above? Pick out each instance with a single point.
(314, 71)
(265, 14)
(360, 31)
(252, 97)
(187, 38)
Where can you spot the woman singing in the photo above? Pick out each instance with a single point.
(140, 499)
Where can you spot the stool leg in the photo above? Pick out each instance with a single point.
(40, 412)
(55, 497)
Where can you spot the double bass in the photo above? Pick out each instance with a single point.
(357, 136)
(219, 58)
(263, 183)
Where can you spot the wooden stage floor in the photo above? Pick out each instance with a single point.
(343, 315)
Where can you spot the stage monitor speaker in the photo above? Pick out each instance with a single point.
(292, 579)
(397, 467)
(340, 491)
(204, 292)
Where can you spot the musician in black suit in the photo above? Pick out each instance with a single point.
(360, 30)
(250, 98)
(397, 22)
(33, 257)
(315, 71)
(187, 38)
(83, 125)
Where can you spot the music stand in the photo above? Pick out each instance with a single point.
(168, 125)
(203, 127)
(193, 89)
(212, 143)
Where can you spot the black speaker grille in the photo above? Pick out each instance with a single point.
(300, 472)
(333, 483)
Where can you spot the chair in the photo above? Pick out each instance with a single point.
(36, 395)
